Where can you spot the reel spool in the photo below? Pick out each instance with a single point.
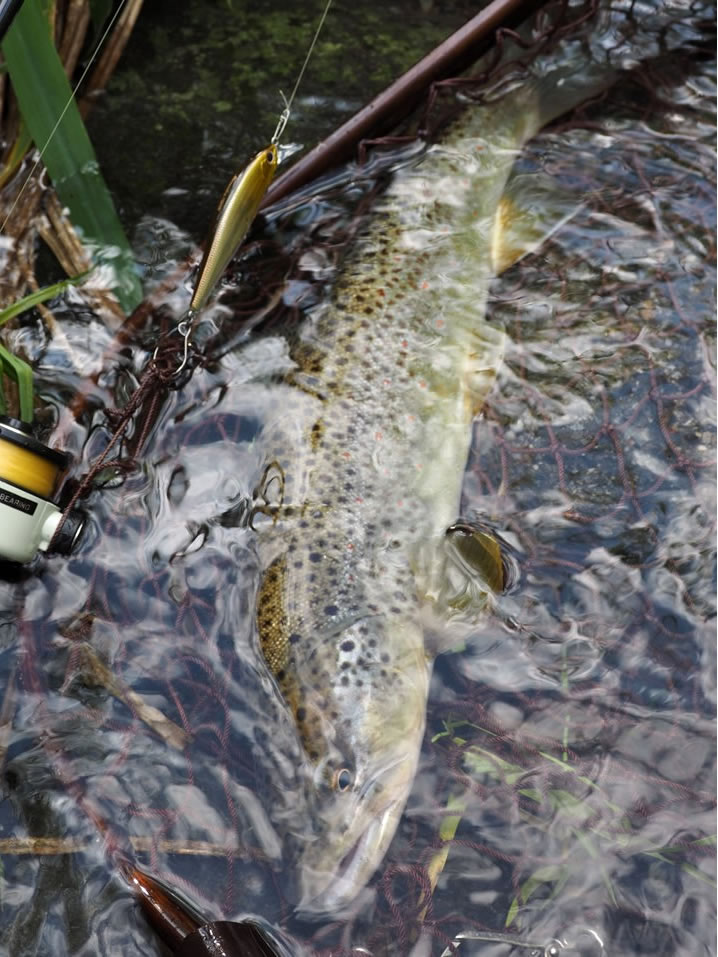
(29, 472)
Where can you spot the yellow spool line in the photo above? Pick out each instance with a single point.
(26, 469)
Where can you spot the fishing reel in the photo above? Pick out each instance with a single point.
(28, 477)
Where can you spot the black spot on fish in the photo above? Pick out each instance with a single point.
(294, 638)
(347, 645)
(315, 556)
(301, 714)
(330, 610)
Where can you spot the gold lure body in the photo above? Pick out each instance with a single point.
(235, 214)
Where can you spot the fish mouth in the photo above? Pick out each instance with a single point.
(333, 889)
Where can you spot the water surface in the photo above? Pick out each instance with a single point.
(574, 733)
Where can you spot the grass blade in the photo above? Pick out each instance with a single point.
(43, 92)
(37, 297)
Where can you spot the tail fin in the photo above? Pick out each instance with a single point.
(546, 83)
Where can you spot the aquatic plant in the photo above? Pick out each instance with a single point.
(50, 116)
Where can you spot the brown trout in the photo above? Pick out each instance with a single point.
(364, 468)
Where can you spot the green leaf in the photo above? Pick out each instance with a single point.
(39, 296)
(21, 373)
(54, 122)
(573, 806)
(480, 761)
(513, 911)
(532, 793)
(698, 874)
(553, 874)
(449, 824)
(548, 874)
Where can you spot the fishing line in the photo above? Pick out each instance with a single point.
(240, 203)
(65, 109)
(284, 117)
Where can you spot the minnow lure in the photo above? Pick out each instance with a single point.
(235, 215)
(242, 198)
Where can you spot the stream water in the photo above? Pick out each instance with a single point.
(570, 751)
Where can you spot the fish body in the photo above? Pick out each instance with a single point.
(364, 467)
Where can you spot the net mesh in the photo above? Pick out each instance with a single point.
(567, 781)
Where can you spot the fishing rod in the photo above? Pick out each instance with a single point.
(8, 9)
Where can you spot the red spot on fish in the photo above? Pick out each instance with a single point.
(380, 292)
(404, 343)
(439, 323)
(425, 285)
(359, 500)
(347, 455)
(387, 381)
(378, 436)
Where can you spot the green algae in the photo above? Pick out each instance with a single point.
(198, 90)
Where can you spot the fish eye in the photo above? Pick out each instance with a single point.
(269, 156)
(342, 780)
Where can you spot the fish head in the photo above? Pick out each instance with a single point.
(359, 789)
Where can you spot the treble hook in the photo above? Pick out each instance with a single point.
(184, 329)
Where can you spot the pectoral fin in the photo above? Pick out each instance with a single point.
(479, 552)
(532, 207)
(472, 567)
